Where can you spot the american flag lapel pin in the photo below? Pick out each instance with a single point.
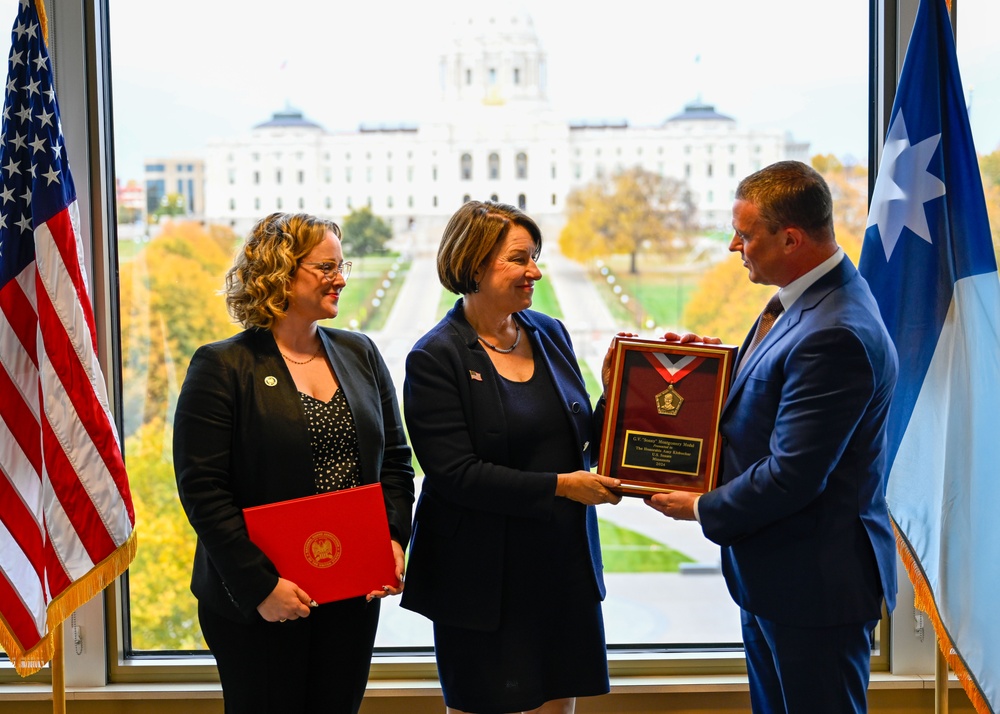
(473, 374)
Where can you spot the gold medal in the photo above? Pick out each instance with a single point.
(668, 402)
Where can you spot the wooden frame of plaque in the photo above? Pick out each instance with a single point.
(661, 428)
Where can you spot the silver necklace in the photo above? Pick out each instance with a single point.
(295, 361)
(517, 341)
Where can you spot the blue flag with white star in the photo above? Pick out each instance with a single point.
(928, 257)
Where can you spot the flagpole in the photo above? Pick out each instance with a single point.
(940, 681)
(58, 672)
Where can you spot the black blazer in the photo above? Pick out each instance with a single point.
(459, 434)
(240, 439)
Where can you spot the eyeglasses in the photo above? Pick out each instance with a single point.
(328, 269)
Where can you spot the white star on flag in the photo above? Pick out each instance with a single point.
(903, 186)
(45, 118)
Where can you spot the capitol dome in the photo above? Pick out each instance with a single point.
(494, 57)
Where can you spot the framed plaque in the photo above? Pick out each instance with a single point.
(661, 431)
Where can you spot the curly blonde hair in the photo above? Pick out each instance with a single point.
(257, 285)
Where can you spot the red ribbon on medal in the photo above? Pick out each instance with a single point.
(669, 401)
(673, 372)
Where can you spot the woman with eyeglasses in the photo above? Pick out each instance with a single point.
(282, 410)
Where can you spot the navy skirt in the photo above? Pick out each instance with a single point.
(550, 643)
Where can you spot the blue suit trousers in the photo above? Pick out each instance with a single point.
(807, 670)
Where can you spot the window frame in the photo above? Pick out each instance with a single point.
(80, 49)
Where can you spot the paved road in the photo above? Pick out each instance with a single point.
(585, 314)
(415, 311)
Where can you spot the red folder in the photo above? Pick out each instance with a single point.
(333, 545)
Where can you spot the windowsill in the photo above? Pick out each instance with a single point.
(384, 688)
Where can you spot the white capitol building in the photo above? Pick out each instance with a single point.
(496, 136)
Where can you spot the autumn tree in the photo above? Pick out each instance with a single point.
(170, 305)
(172, 204)
(993, 213)
(725, 304)
(164, 613)
(588, 229)
(635, 209)
(225, 238)
(364, 233)
(849, 189)
(989, 167)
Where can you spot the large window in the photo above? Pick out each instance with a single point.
(665, 586)
(665, 589)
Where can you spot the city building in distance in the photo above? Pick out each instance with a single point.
(494, 136)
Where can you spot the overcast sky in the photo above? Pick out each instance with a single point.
(185, 71)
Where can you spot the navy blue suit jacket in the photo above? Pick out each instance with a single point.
(240, 439)
(800, 511)
(458, 430)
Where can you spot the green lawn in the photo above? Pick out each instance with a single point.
(129, 248)
(662, 297)
(545, 300)
(657, 293)
(368, 275)
(594, 387)
(446, 303)
(626, 551)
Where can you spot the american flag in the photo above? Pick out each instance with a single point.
(66, 517)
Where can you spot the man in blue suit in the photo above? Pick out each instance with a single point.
(808, 551)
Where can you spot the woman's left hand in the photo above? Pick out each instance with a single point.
(397, 553)
(587, 488)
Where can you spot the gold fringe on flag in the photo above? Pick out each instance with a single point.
(923, 600)
(59, 610)
(42, 20)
